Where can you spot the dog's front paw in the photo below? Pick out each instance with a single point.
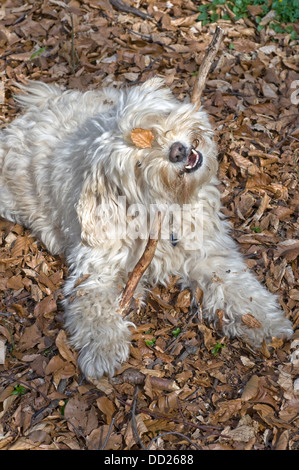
(248, 311)
(280, 327)
(258, 324)
(105, 353)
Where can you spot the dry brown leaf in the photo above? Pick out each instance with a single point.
(288, 248)
(208, 338)
(98, 436)
(228, 409)
(47, 305)
(262, 207)
(5, 440)
(241, 433)
(15, 282)
(184, 299)
(55, 363)
(251, 388)
(75, 411)
(130, 435)
(250, 321)
(107, 407)
(23, 444)
(2, 351)
(220, 314)
(266, 412)
(64, 347)
(30, 338)
(185, 21)
(142, 138)
(243, 162)
(258, 181)
(283, 440)
(20, 247)
(265, 350)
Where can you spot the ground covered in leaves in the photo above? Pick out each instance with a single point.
(184, 386)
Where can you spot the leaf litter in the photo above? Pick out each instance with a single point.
(184, 386)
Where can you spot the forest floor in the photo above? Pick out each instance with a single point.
(185, 386)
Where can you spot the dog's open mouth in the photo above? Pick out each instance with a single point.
(194, 161)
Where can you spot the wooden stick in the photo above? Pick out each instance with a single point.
(141, 265)
(205, 67)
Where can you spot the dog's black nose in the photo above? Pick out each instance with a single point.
(177, 152)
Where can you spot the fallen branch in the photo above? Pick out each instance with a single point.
(119, 5)
(142, 265)
(205, 67)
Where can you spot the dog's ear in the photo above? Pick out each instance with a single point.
(98, 211)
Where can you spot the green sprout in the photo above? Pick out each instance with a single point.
(217, 348)
(150, 342)
(19, 390)
(37, 53)
(176, 332)
(286, 12)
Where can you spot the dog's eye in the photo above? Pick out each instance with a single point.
(138, 164)
(195, 143)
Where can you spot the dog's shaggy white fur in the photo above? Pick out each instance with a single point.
(71, 153)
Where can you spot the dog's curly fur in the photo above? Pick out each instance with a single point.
(70, 153)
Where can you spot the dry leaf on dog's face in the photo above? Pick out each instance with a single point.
(142, 138)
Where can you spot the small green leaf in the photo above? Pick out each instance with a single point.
(203, 16)
(150, 342)
(217, 348)
(176, 332)
(214, 17)
(19, 390)
(256, 229)
(37, 53)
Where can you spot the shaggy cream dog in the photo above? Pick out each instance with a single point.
(71, 172)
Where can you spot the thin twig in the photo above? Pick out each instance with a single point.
(141, 265)
(119, 5)
(148, 38)
(205, 67)
(203, 427)
(135, 429)
(108, 435)
(134, 425)
(74, 66)
(24, 384)
(288, 136)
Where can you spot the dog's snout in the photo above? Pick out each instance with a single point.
(177, 152)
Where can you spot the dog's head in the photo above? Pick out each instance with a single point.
(178, 158)
(181, 156)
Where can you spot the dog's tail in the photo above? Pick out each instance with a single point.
(36, 94)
